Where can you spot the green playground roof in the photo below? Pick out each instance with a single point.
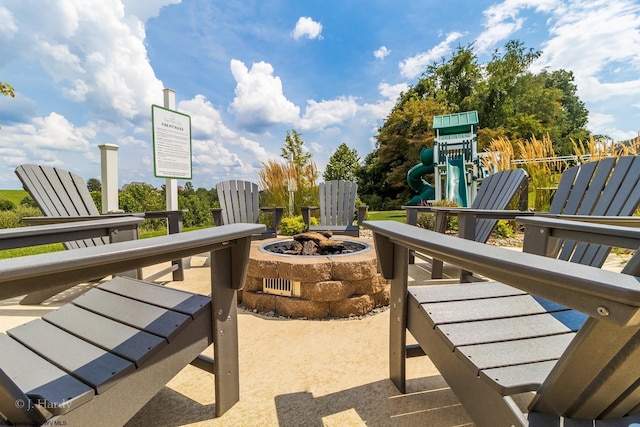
(456, 123)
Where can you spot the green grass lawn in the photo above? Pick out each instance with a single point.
(399, 215)
(15, 196)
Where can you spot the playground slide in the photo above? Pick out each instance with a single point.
(417, 183)
(456, 179)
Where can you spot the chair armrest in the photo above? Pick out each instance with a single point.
(540, 229)
(277, 213)
(306, 214)
(28, 274)
(624, 221)
(217, 216)
(413, 211)
(362, 213)
(117, 229)
(583, 288)
(174, 219)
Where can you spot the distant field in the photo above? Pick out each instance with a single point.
(15, 196)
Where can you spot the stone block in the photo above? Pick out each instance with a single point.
(371, 285)
(328, 290)
(354, 306)
(296, 307)
(262, 302)
(354, 267)
(252, 284)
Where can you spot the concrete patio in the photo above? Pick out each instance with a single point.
(297, 373)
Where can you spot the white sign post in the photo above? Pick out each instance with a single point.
(171, 148)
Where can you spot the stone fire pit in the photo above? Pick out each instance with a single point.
(314, 286)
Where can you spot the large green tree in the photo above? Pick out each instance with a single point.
(344, 163)
(511, 101)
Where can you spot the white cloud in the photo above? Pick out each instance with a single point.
(307, 27)
(325, 113)
(146, 9)
(213, 140)
(94, 53)
(259, 99)
(502, 20)
(412, 67)
(382, 52)
(8, 28)
(591, 37)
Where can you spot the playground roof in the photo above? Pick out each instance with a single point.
(456, 123)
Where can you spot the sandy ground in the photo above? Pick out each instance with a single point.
(296, 373)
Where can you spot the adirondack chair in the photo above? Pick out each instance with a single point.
(98, 359)
(337, 207)
(564, 335)
(606, 187)
(494, 196)
(239, 203)
(63, 196)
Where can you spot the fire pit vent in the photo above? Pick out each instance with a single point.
(284, 287)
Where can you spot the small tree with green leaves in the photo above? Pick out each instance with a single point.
(344, 163)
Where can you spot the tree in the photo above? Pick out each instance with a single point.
(344, 163)
(292, 150)
(93, 184)
(405, 132)
(511, 101)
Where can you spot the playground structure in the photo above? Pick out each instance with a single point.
(453, 161)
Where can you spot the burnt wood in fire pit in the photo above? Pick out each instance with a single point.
(314, 243)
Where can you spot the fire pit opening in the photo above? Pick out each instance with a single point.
(314, 244)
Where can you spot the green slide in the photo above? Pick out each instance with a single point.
(457, 181)
(417, 183)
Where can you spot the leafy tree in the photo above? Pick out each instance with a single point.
(344, 163)
(142, 198)
(406, 131)
(512, 102)
(93, 184)
(293, 149)
(373, 189)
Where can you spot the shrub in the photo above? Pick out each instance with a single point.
(13, 218)
(295, 225)
(427, 220)
(503, 229)
(6, 205)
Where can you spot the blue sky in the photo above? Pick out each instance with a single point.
(86, 72)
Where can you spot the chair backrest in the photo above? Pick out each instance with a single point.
(58, 192)
(606, 187)
(495, 193)
(239, 201)
(337, 202)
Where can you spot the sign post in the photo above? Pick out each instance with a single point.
(171, 146)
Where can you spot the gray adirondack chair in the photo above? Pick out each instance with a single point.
(553, 343)
(491, 341)
(337, 209)
(239, 202)
(98, 359)
(496, 192)
(63, 196)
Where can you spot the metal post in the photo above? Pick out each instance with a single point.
(171, 185)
